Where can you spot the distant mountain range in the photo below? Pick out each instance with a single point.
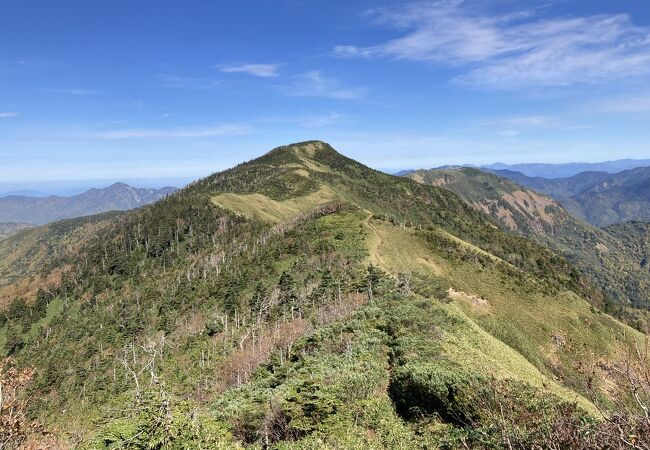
(569, 169)
(600, 198)
(70, 187)
(543, 170)
(40, 210)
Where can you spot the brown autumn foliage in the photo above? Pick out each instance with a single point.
(28, 286)
(630, 421)
(556, 426)
(624, 422)
(241, 365)
(15, 427)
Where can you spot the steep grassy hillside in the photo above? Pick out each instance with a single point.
(606, 257)
(303, 300)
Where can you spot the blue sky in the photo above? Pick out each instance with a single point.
(167, 89)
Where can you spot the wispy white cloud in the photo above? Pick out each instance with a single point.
(20, 62)
(258, 70)
(315, 84)
(309, 120)
(230, 129)
(638, 103)
(321, 121)
(7, 114)
(512, 126)
(26, 65)
(521, 121)
(509, 133)
(516, 50)
(190, 83)
(71, 91)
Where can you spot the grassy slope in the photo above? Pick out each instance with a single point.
(526, 320)
(262, 207)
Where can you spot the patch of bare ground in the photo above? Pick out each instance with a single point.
(478, 304)
(530, 204)
(491, 207)
(442, 181)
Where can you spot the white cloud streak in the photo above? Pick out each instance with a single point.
(315, 84)
(4, 115)
(637, 104)
(321, 121)
(521, 122)
(309, 120)
(165, 133)
(516, 50)
(257, 70)
(72, 91)
(516, 125)
(189, 83)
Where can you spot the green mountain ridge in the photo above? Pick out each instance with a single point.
(303, 300)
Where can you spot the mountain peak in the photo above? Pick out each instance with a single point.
(292, 170)
(308, 146)
(313, 150)
(118, 185)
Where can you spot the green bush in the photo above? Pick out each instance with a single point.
(158, 423)
(434, 389)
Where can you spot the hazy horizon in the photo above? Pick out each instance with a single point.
(78, 186)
